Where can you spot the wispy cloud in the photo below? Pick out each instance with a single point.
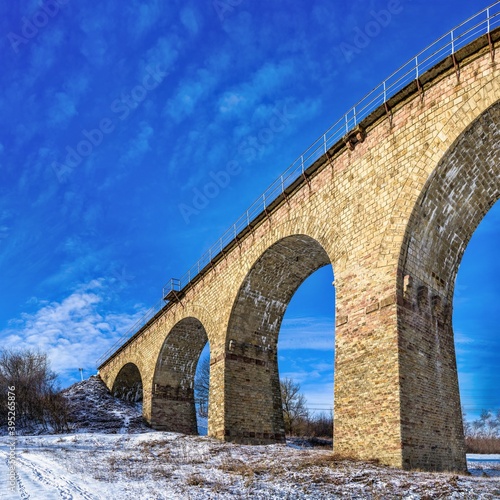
(62, 110)
(142, 16)
(462, 339)
(73, 332)
(189, 93)
(307, 333)
(140, 144)
(190, 20)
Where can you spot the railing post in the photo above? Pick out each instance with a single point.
(264, 200)
(346, 124)
(385, 93)
(302, 161)
(324, 141)
(248, 219)
(488, 19)
(354, 111)
(452, 42)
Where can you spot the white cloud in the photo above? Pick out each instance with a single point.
(319, 395)
(307, 333)
(140, 144)
(461, 339)
(230, 102)
(143, 16)
(74, 332)
(189, 93)
(62, 110)
(189, 20)
(164, 53)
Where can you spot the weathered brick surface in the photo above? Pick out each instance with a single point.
(173, 406)
(128, 384)
(392, 216)
(456, 197)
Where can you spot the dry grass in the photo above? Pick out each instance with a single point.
(330, 460)
(195, 480)
(482, 445)
(243, 468)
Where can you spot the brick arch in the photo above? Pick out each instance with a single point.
(461, 190)
(128, 384)
(172, 403)
(356, 203)
(445, 136)
(318, 228)
(252, 399)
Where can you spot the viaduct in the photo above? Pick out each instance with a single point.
(391, 207)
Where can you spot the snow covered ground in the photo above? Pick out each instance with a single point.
(160, 465)
(112, 454)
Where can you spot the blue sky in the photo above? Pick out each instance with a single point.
(115, 115)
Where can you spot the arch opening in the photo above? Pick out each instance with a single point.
(306, 356)
(476, 318)
(128, 384)
(173, 406)
(253, 405)
(202, 390)
(461, 190)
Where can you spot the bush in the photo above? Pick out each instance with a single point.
(321, 426)
(483, 434)
(482, 445)
(38, 403)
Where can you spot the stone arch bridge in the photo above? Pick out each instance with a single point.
(391, 208)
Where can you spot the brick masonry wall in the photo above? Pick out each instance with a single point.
(456, 197)
(173, 407)
(394, 345)
(128, 384)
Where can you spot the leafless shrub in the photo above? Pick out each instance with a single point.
(38, 402)
(483, 434)
(482, 445)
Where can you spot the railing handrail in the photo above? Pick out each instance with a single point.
(454, 39)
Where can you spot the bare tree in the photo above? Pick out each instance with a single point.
(37, 399)
(321, 425)
(202, 386)
(294, 405)
(483, 434)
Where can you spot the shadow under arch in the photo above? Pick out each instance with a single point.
(252, 399)
(173, 405)
(128, 384)
(458, 194)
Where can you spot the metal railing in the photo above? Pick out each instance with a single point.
(476, 26)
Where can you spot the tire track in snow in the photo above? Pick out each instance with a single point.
(66, 489)
(6, 492)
